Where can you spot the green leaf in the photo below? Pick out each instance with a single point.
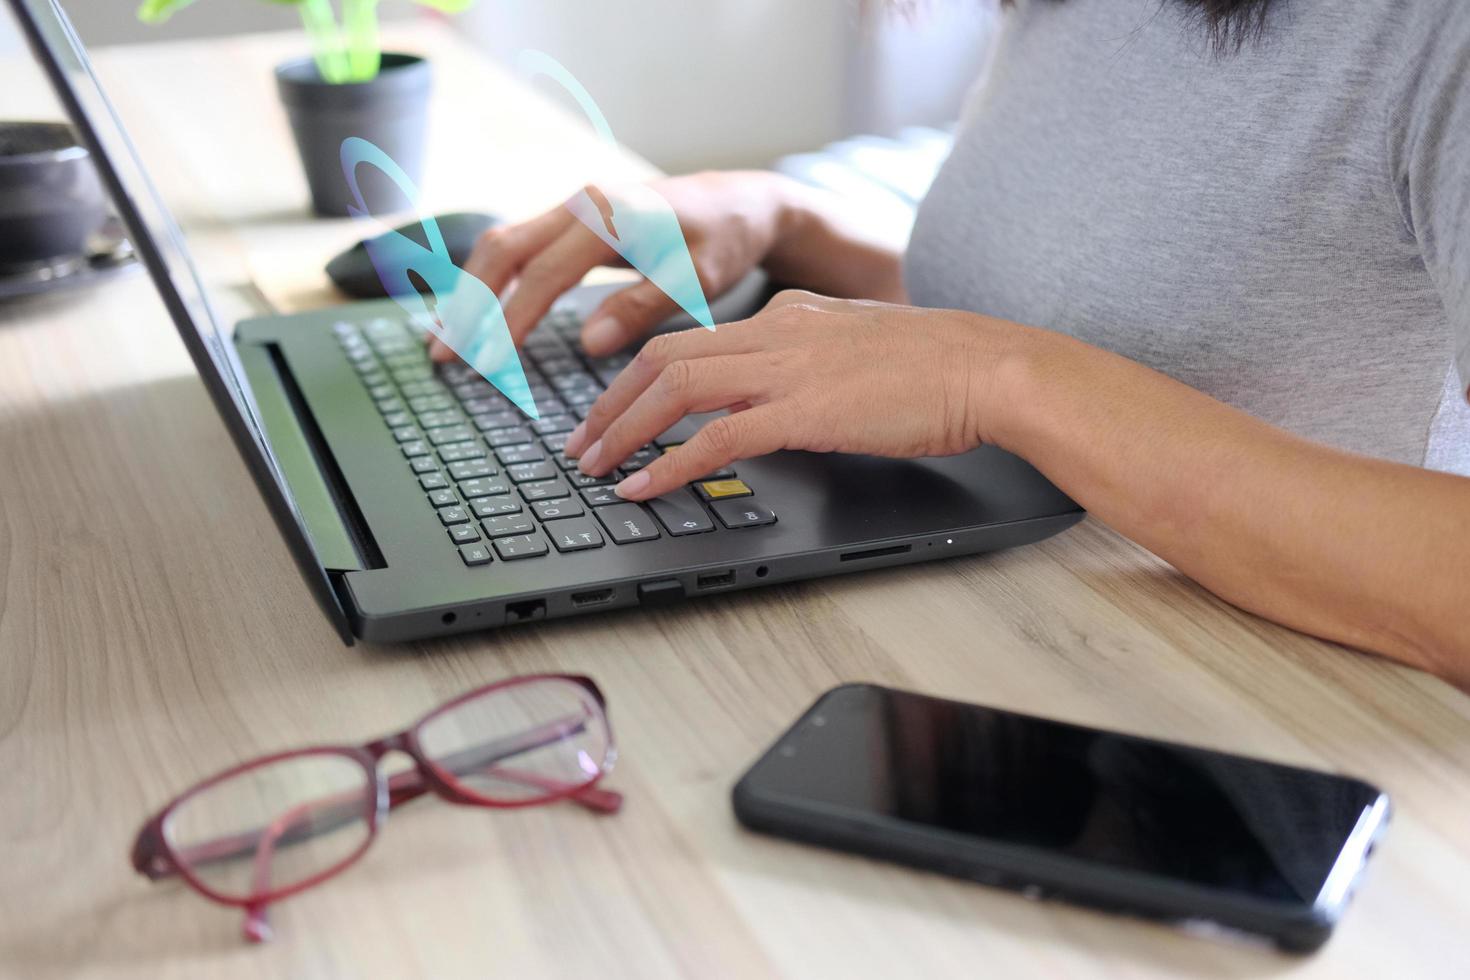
(447, 6)
(158, 11)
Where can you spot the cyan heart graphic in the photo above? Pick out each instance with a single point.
(467, 315)
(635, 221)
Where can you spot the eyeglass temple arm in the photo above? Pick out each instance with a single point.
(148, 854)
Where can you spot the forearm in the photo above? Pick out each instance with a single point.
(825, 248)
(1368, 553)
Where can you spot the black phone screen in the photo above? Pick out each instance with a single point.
(1207, 818)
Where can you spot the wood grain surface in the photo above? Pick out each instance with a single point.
(153, 630)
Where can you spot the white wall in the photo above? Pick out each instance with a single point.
(691, 83)
(723, 83)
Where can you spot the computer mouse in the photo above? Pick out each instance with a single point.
(353, 270)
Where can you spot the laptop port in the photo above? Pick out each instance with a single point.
(715, 580)
(594, 598)
(523, 612)
(897, 549)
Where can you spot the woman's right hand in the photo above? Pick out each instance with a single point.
(732, 220)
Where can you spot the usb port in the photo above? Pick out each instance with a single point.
(594, 598)
(715, 580)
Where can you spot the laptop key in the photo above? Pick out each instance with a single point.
(526, 472)
(627, 523)
(461, 451)
(501, 525)
(424, 464)
(485, 421)
(390, 407)
(443, 498)
(544, 490)
(395, 420)
(583, 480)
(638, 460)
(450, 433)
(681, 514)
(433, 481)
(434, 420)
(430, 403)
(548, 424)
(512, 455)
(513, 436)
(556, 442)
(404, 433)
(384, 390)
(722, 489)
(483, 487)
(520, 546)
(574, 535)
(464, 533)
(742, 513)
(414, 447)
(550, 510)
(493, 506)
(487, 406)
(474, 554)
(600, 496)
(469, 469)
(452, 515)
(415, 388)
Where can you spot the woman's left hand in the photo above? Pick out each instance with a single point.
(807, 372)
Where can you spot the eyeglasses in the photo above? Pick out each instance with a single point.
(275, 826)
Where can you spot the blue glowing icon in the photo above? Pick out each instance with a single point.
(470, 320)
(636, 222)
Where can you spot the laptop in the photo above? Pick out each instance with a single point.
(417, 501)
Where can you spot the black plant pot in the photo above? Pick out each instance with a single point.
(390, 111)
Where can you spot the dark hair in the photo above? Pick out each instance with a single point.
(1230, 24)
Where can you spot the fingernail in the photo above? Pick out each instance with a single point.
(589, 458)
(601, 335)
(574, 441)
(636, 483)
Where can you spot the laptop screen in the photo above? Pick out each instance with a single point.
(161, 246)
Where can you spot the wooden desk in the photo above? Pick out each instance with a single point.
(153, 630)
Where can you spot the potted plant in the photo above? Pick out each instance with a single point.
(348, 87)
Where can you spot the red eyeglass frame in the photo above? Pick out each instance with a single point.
(154, 857)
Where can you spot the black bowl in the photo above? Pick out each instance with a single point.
(50, 198)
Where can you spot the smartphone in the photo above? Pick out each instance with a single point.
(1206, 840)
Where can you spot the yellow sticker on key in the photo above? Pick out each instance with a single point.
(722, 489)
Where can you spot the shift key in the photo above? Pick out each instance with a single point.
(627, 523)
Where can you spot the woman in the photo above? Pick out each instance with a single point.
(1204, 263)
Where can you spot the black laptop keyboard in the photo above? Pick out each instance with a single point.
(500, 482)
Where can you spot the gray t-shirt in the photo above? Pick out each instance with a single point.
(1286, 229)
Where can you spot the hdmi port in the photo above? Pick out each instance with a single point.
(715, 580)
(594, 598)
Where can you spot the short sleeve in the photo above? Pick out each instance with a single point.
(1429, 156)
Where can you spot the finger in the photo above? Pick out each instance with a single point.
(696, 385)
(501, 252)
(625, 316)
(719, 443)
(657, 354)
(554, 270)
